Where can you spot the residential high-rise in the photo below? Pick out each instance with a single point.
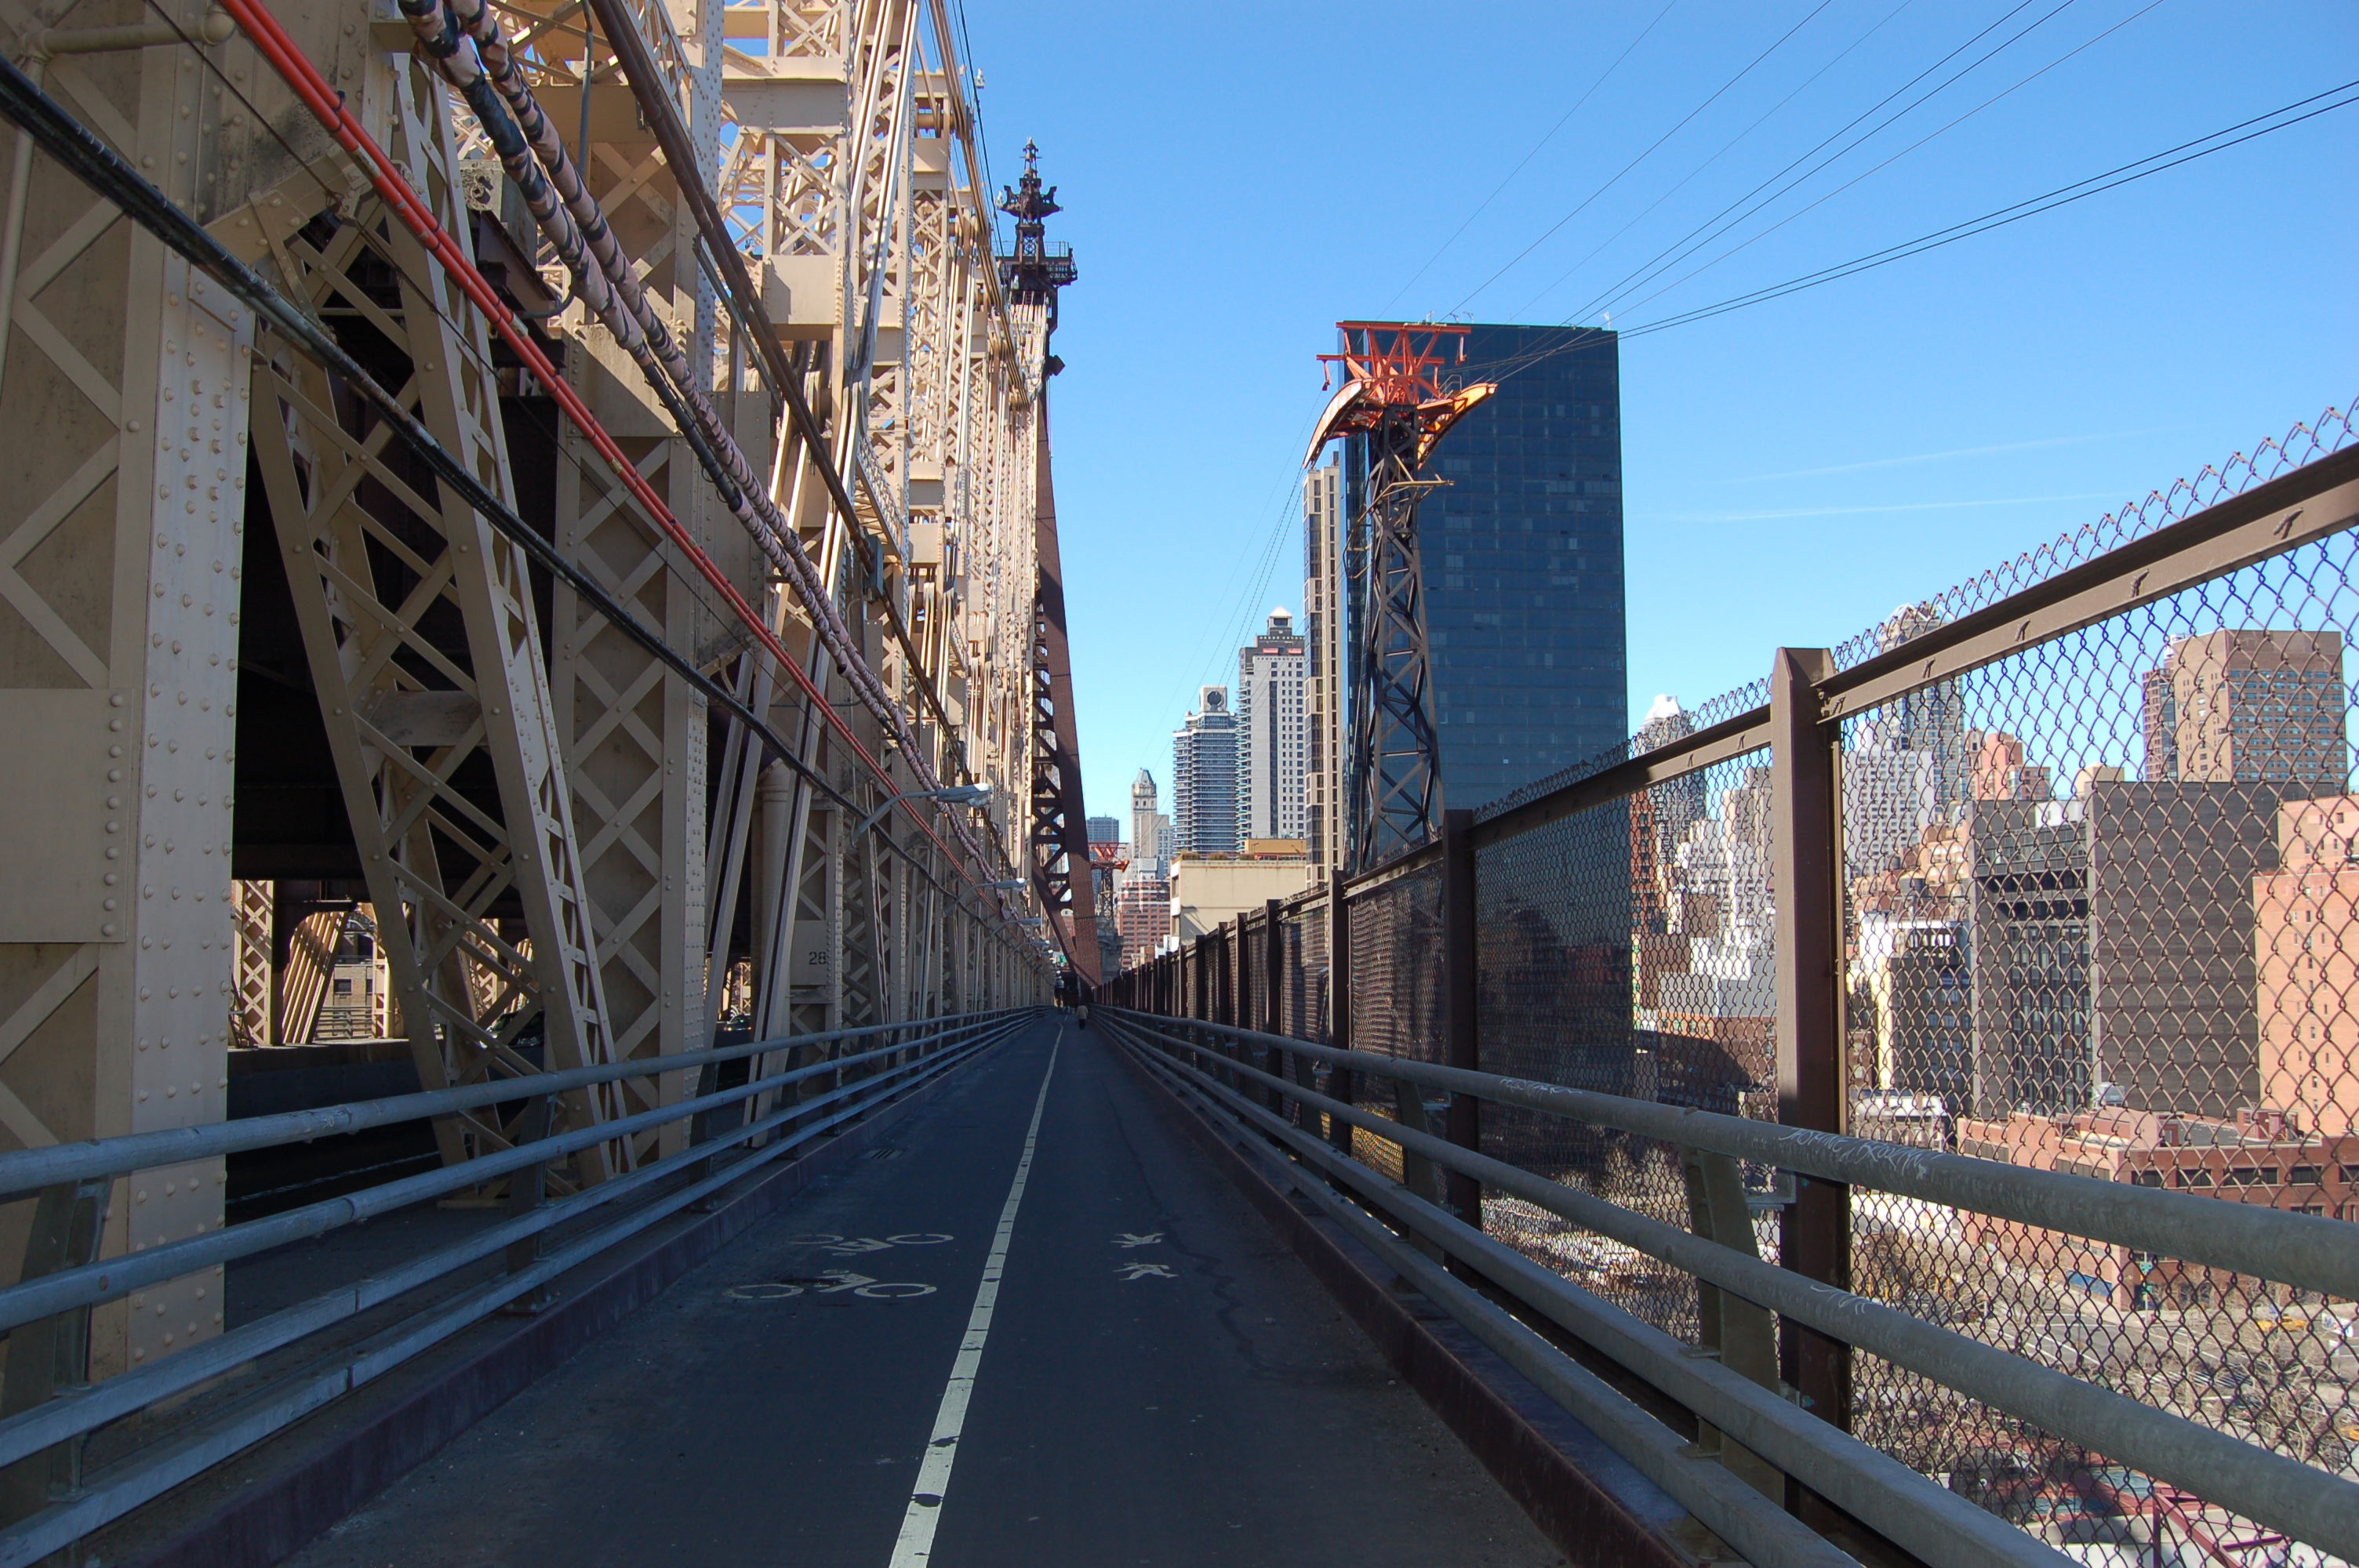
(2245, 704)
(2306, 950)
(2114, 942)
(1270, 724)
(1204, 777)
(1907, 766)
(1522, 553)
(1322, 689)
(1142, 914)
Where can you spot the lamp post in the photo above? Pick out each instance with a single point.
(955, 795)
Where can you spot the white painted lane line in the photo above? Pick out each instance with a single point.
(916, 1545)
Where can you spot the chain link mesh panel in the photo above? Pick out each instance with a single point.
(1304, 1005)
(1629, 949)
(2103, 917)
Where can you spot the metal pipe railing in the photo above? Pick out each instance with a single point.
(151, 1472)
(2309, 1252)
(1906, 1507)
(26, 1170)
(109, 1279)
(2309, 1503)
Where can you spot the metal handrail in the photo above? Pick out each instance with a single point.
(1934, 1524)
(2306, 1503)
(2309, 1252)
(109, 1279)
(151, 1473)
(26, 1170)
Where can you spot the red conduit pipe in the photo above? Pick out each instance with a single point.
(327, 104)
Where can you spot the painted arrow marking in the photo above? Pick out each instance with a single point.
(1127, 1240)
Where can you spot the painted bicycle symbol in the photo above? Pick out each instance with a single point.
(846, 1246)
(832, 1283)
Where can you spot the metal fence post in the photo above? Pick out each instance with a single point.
(49, 1359)
(1806, 872)
(1339, 1006)
(527, 1191)
(1273, 993)
(1241, 1013)
(1461, 996)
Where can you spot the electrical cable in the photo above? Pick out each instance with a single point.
(1999, 218)
(1525, 310)
(1551, 231)
(1509, 366)
(469, 47)
(1508, 178)
(1903, 152)
(1689, 243)
(661, 114)
(426, 295)
(82, 154)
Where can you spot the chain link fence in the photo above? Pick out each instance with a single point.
(2099, 914)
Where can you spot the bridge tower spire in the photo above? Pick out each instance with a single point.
(1032, 274)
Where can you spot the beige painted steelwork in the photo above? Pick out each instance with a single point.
(565, 845)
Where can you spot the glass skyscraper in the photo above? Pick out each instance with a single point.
(1522, 555)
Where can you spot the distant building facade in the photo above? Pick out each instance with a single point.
(1272, 741)
(1322, 689)
(2248, 705)
(1209, 889)
(1142, 913)
(2306, 956)
(1204, 777)
(1150, 830)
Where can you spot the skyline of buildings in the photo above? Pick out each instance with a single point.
(2174, 938)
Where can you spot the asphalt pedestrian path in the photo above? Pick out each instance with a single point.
(1032, 1327)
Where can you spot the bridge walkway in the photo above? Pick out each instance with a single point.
(1159, 1381)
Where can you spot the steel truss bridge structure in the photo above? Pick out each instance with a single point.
(530, 533)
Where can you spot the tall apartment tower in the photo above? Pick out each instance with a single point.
(1204, 777)
(1270, 724)
(2247, 705)
(1322, 689)
(1522, 550)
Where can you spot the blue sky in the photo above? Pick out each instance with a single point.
(1238, 178)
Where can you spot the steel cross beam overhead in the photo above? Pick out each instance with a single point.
(649, 483)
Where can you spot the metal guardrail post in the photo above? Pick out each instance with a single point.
(528, 1190)
(1241, 994)
(1462, 1001)
(1339, 1005)
(51, 1357)
(1806, 869)
(1743, 1335)
(1273, 993)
